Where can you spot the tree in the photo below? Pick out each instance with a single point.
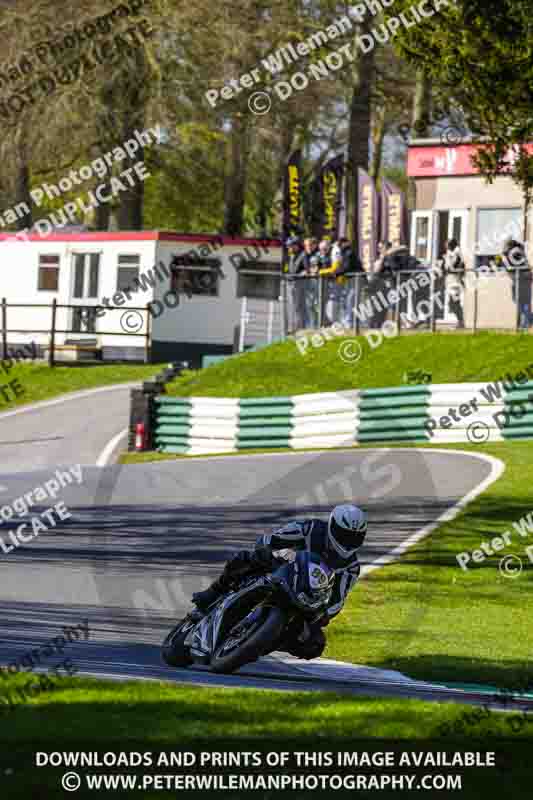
(480, 56)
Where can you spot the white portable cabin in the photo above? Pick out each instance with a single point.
(129, 270)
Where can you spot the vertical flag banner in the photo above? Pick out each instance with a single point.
(314, 196)
(393, 214)
(292, 196)
(333, 222)
(367, 220)
(292, 203)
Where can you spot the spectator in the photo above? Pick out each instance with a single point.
(379, 263)
(324, 254)
(296, 267)
(329, 263)
(312, 267)
(341, 293)
(378, 282)
(514, 259)
(454, 265)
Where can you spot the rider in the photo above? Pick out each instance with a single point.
(335, 541)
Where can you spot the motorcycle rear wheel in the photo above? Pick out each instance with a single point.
(260, 642)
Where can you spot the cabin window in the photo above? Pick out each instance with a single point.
(196, 276)
(127, 271)
(48, 280)
(494, 226)
(260, 280)
(86, 275)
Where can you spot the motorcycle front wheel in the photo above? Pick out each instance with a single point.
(244, 646)
(174, 652)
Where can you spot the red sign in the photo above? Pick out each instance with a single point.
(433, 162)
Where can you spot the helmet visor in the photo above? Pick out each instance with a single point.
(347, 539)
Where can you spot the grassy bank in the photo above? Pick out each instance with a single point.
(282, 370)
(39, 382)
(426, 617)
(99, 716)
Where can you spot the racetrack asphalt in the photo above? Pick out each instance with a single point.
(143, 537)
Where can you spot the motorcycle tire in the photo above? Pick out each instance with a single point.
(260, 642)
(173, 650)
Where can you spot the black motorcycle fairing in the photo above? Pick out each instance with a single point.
(205, 637)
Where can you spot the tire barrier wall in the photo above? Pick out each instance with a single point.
(438, 413)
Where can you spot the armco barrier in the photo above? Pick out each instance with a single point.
(437, 413)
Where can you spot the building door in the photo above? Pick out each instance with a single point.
(86, 280)
(421, 235)
(458, 229)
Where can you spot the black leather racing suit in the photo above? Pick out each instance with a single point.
(272, 548)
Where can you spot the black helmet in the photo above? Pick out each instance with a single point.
(347, 528)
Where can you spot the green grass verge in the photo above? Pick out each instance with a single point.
(425, 616)
(150, 709)
(100, 716)
(281, 369)
(39, 382)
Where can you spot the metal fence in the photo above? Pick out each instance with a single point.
(52, 319)
(422, 299)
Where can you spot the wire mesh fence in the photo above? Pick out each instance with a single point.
(422, 299)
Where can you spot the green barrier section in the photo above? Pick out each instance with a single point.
(264, 433)
(252, 422)
(265, 411)
(399, 425)
(398, 414)
(395, 392)
(183, 441)
(172, 430)
(393, 413)
(518, 411)
(172, 424)
(393, 402)
(264, 422)
(262, 443)
(265, 401)
(162, 400)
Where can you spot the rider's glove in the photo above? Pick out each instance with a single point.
(263, 555)
(321, 621)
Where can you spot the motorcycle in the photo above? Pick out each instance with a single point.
(253, 619)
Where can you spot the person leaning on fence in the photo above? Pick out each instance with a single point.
(312, 268)
(296, 267)
(351, 266)
(379, 280)
(342, 291)
(330, 261)
(453, 264)
(514, 259)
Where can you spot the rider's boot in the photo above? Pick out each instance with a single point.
(202, 600)
(238, 567)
